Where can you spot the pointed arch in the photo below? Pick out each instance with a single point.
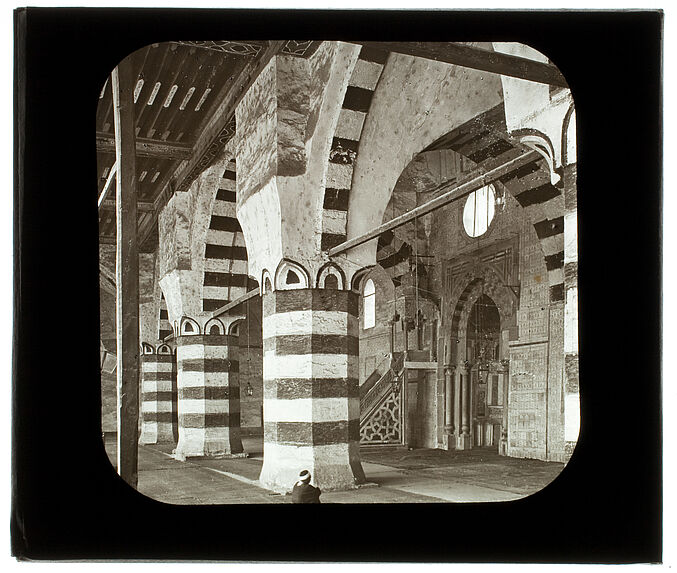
(189, 327)
(346, 142)
(290, 275)
(540, 142)
(369, 304)
(165, 327)
(226, 263)
(266, 282)
(234, 327)
(482, 280)
(569, 137)
(214, 327)
(331, 270)
(358, 277)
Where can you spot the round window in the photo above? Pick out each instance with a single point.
(479, 211)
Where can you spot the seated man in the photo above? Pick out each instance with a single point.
(303, 492)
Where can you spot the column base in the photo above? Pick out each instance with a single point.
(449, 438)
(182, 457)
(335, 467)
(463, 442)
(503, 447)
(198, 444)
(156, 434)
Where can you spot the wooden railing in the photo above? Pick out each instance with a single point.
(378, 392)
(375, 376)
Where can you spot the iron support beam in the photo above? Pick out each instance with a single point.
(233, 303)
(473, 182)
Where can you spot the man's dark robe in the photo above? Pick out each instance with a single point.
(305, 493)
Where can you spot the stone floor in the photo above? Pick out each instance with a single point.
(395, 475)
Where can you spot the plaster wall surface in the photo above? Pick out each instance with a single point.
(149, 315)
(302, 197)
(250, 356)
(416, 102)
(174, 231)
(375, 341)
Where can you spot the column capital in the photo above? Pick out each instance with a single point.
(450, 368)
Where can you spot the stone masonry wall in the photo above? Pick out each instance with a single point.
(536, 346)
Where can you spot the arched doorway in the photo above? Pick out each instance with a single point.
(488, 378)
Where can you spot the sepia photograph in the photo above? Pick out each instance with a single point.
(353, 267)
(401, 265)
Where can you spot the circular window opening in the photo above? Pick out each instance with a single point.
(479, 211)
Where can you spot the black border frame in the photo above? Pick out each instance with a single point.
(68, 503)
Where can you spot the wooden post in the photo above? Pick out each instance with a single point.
(127, 273)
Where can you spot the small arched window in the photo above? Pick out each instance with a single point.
(369, 304)
(331, 282)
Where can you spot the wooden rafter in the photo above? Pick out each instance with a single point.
(218, 119)
(108, 184)
(146, 147)
(478, 59)
(142, 206)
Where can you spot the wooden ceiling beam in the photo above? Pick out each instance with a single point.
(108, 184)
(142, 206)
(478, 59)
(146, 147)
(223, 111)
(217, 121)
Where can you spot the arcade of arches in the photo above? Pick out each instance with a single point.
(453, 328)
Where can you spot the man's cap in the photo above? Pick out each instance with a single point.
(304, 475)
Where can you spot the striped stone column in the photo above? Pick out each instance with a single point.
(571, 388)
(311, 404)
(208, 396)
(157, 398)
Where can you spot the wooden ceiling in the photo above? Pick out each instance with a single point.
(185, 100)
(179, 89)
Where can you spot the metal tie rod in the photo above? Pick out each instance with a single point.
(232, 304)
(458, 192)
